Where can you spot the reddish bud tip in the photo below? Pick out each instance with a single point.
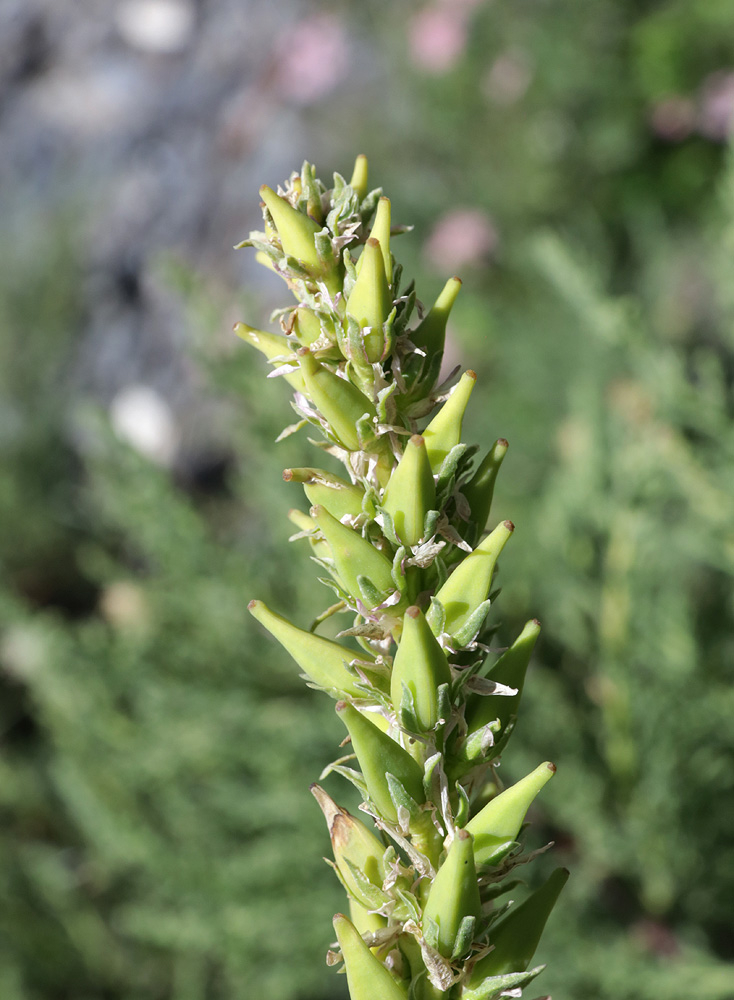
(552, 767)
(509, 525)
(463, 835)
(471, 373)
(536, 622)
(341, 705)
(417, 440)
(372, 242)
(503, 443)
(252, 604)
(287, 475)
(413, 611)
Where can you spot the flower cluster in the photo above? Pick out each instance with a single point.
(427, 703)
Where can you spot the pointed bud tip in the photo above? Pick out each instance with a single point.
(341, 705)
(470, 373)
(509, 525)
(536, 622)
(417, 440)
(253, 604)
(551, 766)
(503, 442)
(413, 611)
(287, 475)
(373, 242)
(463, 835)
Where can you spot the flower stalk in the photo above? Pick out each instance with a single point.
(401, 538)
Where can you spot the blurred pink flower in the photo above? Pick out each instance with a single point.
(312, 58)
(716, 120)
(461, 238)
(437, 37)
(508, 77)
(673, 118)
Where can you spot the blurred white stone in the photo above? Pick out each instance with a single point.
(163, 26)
(142, 417)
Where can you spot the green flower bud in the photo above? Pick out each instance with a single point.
(322, 660)
(421, 666)
(411, 492)
(379, 755)
(370, 302)
(367, 977)
(444, 431)
(453, 896)
(272, 346)
(430, 335)
(381, 232)
(324, 489)
(480, 488)
(355, 846)
(295, 229)
(340, 403)
(469, 584)
(517, 936)
(496, 826)
(354, 556)
(510, 670)
(359, 176)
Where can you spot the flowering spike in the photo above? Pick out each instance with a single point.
(496, 826)
(359, 176)
(354, 556)
(517, 936)
(367, 977)
(411, 492)
(380, 756)
(323, 662)
(421, 666)
(468, 586)
(398, 539)
(444, 431)
(454, 895)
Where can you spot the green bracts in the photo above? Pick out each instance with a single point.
(379, 756)
(516, 936)
(444, 431)
(509, 670)
(420, 667)
(339, 497)
(367, 977)
(453, 900)
(357, 852)
(496, 827)
(469, 584)
(295, 230)
(356, 560)
(340, 402)
(411, 492)
(321, 660)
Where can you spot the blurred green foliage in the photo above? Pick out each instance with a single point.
(157, 838)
